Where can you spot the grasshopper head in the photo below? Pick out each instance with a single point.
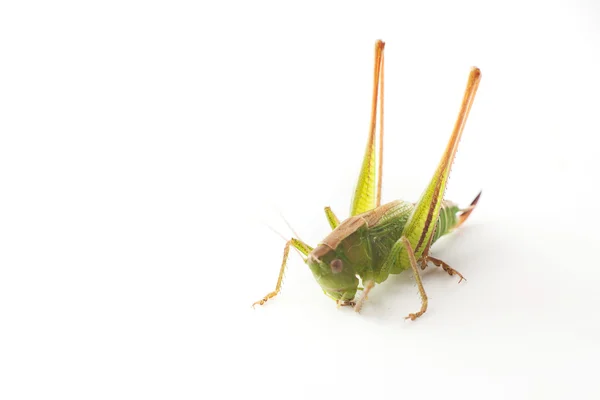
(335, 275)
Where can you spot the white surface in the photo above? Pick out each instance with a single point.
(144, 147)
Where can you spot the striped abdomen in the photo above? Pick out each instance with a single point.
(447, 220)
(450, 218)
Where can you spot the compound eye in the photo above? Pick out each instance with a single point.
(336, 266)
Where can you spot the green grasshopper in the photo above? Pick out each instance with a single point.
(379, 240)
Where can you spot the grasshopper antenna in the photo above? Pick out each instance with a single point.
(276, 232)
(289, 226)
(264, 222)
(295, 234)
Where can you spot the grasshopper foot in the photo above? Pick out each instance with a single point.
(451, 271)
(350, 303)
(264, 299)
(412, 317)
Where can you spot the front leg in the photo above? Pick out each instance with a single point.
(345, 303)
(302, 248)
(365, 294)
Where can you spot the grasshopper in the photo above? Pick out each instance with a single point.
(379, 240)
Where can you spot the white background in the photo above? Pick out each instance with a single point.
(145, 147)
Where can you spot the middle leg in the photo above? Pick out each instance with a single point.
(413, 264)
(394, 258)
(368, 286)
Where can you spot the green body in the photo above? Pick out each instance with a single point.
(379, 240)
(366, 252)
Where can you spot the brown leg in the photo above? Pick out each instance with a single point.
(439, 263)
(425, 256)
(300, 246)
(413, 264)
(346, 303)
(368, 286)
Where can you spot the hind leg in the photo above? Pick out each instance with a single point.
(439, 263)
